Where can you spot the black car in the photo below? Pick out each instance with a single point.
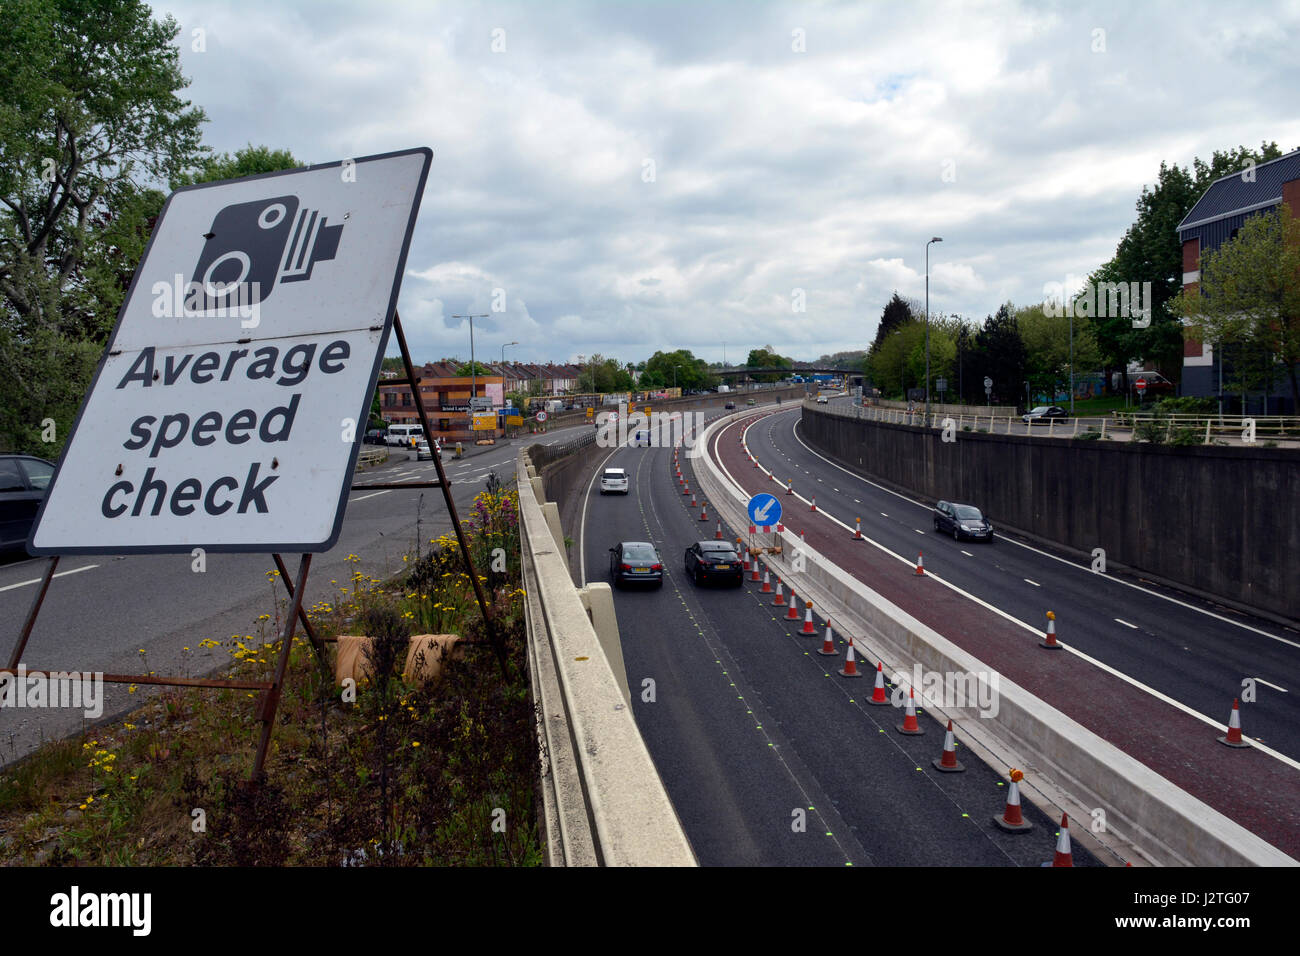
(636, 562)
(375, 436)
(714, 561)
(1043, 413)
(23, 480)
(962, 521)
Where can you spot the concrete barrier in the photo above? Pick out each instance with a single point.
(1144, 810)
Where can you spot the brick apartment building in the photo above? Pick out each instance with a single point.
(1216, 218)
(446, 394)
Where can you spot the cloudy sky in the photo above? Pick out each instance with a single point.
(641, 176)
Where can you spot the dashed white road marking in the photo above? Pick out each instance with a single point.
(60, 574)
(1034, 583)
(1126, 623)
(375, 495)
(1274, 686)
(968, 554)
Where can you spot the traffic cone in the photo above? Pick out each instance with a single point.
(789, 488)
(767, 580)
(920, 564)
(692, 504)
(828, 641)
(1062, 855)
(807, 620)
(1011, 819)
(1049, 639)
(850, 668)
(704, 512)
(753, 568)
(1234, 738)
(878, 695)
(948, 762)
(857, 533)
(779, 600)
(686, 488)
(754, 460)
(792, 612)
(909, 725)
(814, 504)
(717, 535)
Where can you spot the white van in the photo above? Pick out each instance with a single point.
(401, 435)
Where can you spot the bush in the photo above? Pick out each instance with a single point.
(1186, 405)
(1090, 435)
(1152, 430)
(1187, 435)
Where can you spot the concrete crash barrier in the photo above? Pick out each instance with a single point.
(1173, 827)
(604, 803)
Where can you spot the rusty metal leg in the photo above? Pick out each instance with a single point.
(317, 645)
(271, 699)
(16, 657)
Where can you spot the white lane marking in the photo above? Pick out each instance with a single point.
(582, 528)
(968, 554)
(60, 574)
(918, 531)
(857, 501)
(883, 515)
(1127, 624)
(375, 495)
(1274, 686)
(1069, 564)
(1037, 632)
(1034, 583)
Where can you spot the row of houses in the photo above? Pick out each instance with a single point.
(530, 378)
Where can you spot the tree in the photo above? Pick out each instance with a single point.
(897, 312)
(467, 369)
(1047, 346)
(680, 367)
(1000, 354)
(249, 161)
(766, 357)
(1249, 298)
(89, 115)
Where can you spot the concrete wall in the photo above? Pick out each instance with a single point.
(1223, 522)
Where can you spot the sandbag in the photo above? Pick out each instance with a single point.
(426, 655)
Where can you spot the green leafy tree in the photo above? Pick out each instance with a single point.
(897, 312)
(766, 357)
(1248, 300)
(248, 161)
(90, 114)
(1000, 354)
(473, 368)
(679, 366)
(1047, 347)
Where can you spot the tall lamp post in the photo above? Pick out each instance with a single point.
(503, 368)
(927, 329)
(473, 371)
(675, 368)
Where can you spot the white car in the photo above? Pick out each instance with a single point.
(614, 479)
(422, 450)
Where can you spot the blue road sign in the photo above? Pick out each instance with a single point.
(764, 509)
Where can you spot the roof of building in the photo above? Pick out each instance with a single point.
(1232, 194)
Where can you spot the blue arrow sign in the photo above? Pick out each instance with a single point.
(764, 509)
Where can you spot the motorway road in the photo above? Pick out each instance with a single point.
(749, 725)
(101, 612)
(1161, 664)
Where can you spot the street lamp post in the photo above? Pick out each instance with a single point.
(503, 368)
(927, 329)
(473, 371)
(675, 368)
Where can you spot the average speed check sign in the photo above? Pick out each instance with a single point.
(764, 511)
(226, 410)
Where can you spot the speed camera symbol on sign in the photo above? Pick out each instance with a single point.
(252, 246)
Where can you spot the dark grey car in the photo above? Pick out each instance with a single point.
(23, 480)
(962, 521)
(632, 562)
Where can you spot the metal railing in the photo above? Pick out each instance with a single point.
(1278, 426)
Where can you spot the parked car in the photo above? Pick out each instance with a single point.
(714, 561)
(423, 451)
(1155, 384)
(614, 480)
(636, 562)
(1044, 413)
(962, 521)
(23, 481)
(375, 436)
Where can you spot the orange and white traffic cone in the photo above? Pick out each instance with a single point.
(704, 511)
(1011, 820)
(828, 641)
(1049, 639)
(850, 668)
(910, 726)
(692, 504)
(807, 620)
(920, 563)
(857, 532)
(686, 489)
(717, 535)
(754, 460)
(753, 567)
(878, 695)
(767, 580)
(814, 504)
(779, 600)
(1234, 738)
(1062, 855)
(948, 762)
(792, 611)
(789, 488)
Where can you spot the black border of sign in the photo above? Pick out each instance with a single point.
(341, 508)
